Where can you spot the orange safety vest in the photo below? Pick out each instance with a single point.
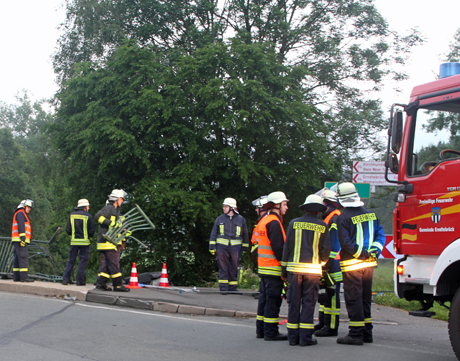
(332, 214)
(15, 235)
(268, 264)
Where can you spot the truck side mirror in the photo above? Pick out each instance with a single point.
(392, 163)
(396, 133)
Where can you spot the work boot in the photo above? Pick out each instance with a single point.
(28, 280)
(368, 338)
(260, 335)
(121, 289)
(326, 332)
(278, 337)
(65, 282)
(311, 342)
(103, 288)
(81, 283)
(318, 326)
(348, 340)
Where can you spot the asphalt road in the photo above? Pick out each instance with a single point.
(36, 328)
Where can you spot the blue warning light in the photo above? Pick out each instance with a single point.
(449, 69)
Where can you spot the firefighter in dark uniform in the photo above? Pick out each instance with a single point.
(307, 247)
(21, 234)
(80, 227)
(270, 251)
(329, 310)
(109, 268)
(229, 237)
(361, 240)
(259, 203)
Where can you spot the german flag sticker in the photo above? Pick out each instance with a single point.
(409, 232)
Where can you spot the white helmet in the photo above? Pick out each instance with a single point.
(117, 193)
(260, 202)
(21, 204)
(231, 202)
(313, 203)
(82, 203)
(330, 195)
(348, 195)
(28, 203)
(276, 198)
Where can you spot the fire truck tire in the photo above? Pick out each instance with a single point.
(454, 323)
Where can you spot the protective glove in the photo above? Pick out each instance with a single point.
(112, 223)
(330, 291)
(213, 251)
(373, 256)
(322, 282)
(22, 243)
(128, 233)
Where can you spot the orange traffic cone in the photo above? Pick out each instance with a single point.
(164, 277)
(133, 282)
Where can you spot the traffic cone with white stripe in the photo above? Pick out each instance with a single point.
(133, 282)
(164, 277)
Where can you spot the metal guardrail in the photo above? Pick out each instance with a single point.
(35, 249)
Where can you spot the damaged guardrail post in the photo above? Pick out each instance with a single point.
(134, 220)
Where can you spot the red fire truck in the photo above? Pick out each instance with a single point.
(426, 221)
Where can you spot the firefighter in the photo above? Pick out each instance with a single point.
(21, 234)
(307, 247)
(229, 236)
(80, 227)
(361, 240)
(270, 251)
(259, 203)
(107, 218)
(329, 310)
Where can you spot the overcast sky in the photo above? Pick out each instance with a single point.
(29, 34)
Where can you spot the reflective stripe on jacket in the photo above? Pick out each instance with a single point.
(307, 245)
(80, 227)
(229, 231)
(268, 264)
(359, 232)
(333, 265)
(21, 227)
(105, 217)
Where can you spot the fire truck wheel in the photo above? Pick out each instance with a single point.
(454, 323)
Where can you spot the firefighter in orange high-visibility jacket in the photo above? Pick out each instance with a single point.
(259, 203)
(361, 240)
(329, 309)
(307, 247)
(229, 237)
(270, 251)
(21, 234)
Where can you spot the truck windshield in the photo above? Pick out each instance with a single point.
(423, 155)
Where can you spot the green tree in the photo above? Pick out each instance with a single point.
(447, 120)
(207, 101)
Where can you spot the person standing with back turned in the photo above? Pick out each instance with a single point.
(361, 240)
(80, 227)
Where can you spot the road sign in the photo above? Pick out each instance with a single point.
(374, 179)
(368, 167)
(364, 189)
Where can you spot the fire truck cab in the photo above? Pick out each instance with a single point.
(426, 221)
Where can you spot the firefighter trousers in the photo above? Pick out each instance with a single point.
(109, 268)
(20, 262)
(268, 309)
(302, 297)
(329, 310)
(74, 251)
(227, 260)
(357, 286)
